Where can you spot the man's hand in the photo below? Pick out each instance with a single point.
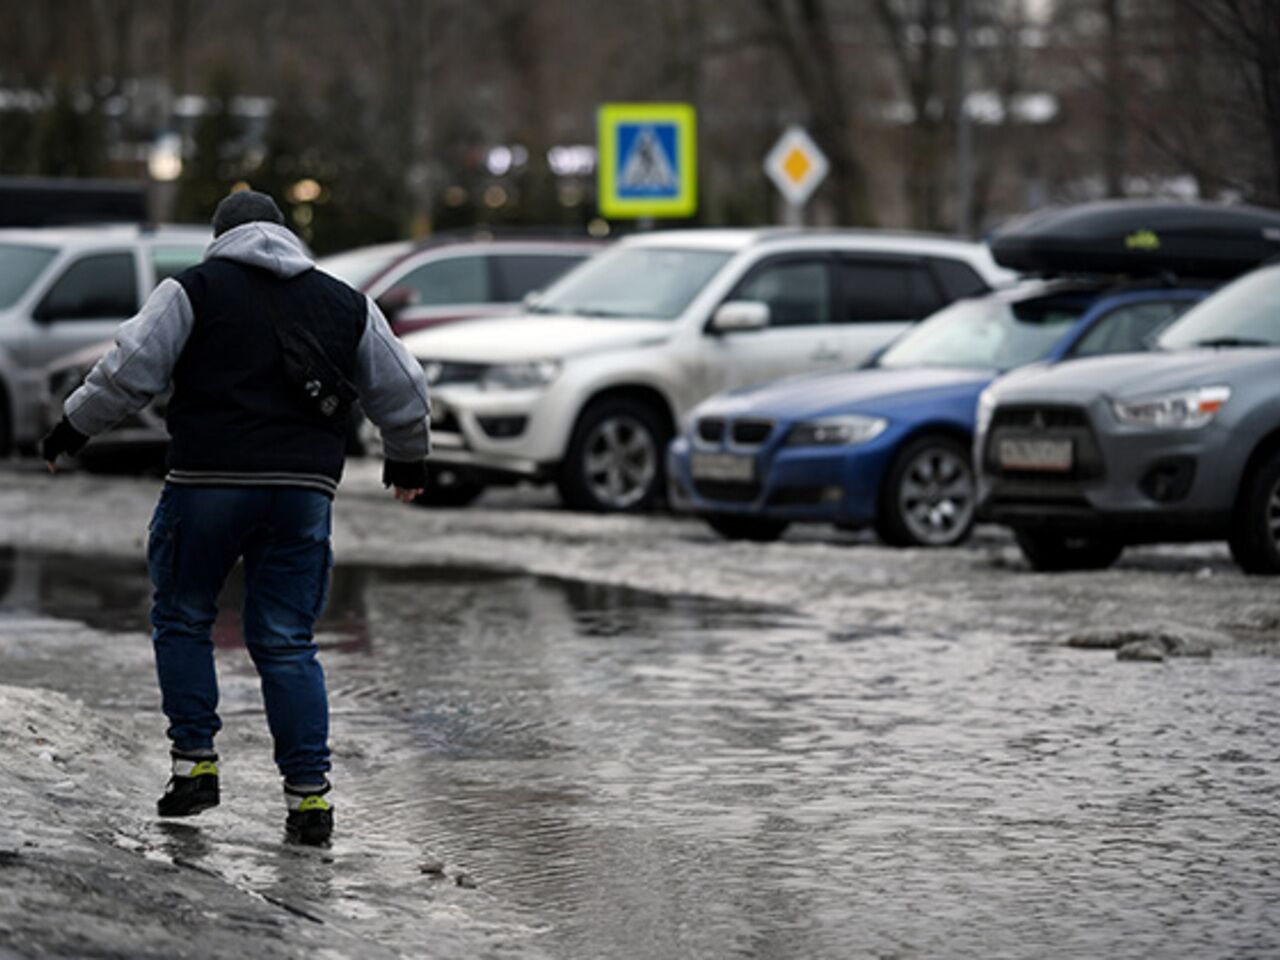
(64, 438)
(407, 496)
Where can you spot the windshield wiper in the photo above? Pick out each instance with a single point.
(1234, 342)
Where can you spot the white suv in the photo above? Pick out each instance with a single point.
(65, 288)
(588, 391)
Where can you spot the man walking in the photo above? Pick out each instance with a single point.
(263, 352)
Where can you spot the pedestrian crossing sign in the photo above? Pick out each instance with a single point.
(648, 160)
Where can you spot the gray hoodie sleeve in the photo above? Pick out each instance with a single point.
(393, 391)
(139, 366)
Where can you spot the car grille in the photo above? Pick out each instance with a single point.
(711, 429)
(751, 433)
(441, 373)
(727, 491)
(1050, 422)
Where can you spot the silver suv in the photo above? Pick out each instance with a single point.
(587, 391)
(63, 289)
(1183, 443)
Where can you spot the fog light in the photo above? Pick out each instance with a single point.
(502, 428)
(1169, 479)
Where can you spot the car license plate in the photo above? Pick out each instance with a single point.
(723, 466)
(1047, 455)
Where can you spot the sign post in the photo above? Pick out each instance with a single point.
(796, 166)
(648, 160)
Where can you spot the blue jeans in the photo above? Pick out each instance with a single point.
(197, 534)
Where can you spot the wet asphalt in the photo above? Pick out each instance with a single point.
(921, 755)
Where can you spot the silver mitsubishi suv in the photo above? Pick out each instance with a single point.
(1084, 457)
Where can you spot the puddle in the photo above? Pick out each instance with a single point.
(628, 775)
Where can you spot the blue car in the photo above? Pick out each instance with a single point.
(890, 444)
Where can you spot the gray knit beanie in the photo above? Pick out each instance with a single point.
(244, 206)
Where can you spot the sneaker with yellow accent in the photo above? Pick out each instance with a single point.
(310, 818)
(193, 787)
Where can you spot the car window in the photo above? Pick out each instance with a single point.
(798, 292)
(102, 286)
(19, 267)
(958, 279)
(873, 290)
(167, 262)
(1244, 313)
(1128, 329)
(634, 281)
(986, 333)
(452, 280)
(516, 274)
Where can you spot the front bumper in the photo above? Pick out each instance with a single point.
(801, 484)
(501, 435)
(1128, 483)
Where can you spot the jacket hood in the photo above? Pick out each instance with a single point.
(265, 245)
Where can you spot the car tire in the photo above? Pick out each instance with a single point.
(447, 487)
(1255, 527)
(615, 459)
(1053, 552)
(753, 529)
(929, 496)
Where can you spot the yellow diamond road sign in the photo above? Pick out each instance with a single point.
(796, 166)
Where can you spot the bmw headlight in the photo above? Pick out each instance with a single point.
(836, 431)
(520, 376)
(1180, 410)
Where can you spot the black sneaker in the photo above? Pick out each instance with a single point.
(193, 787)
(310, 819)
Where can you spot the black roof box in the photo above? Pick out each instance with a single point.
(1140, 238)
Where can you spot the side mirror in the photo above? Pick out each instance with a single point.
(395, 300)
(739, 316)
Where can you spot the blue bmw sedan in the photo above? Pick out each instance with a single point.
(890, 444)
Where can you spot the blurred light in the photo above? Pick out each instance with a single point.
(240, 186)
(305, 191)
(495, 196)
(455, 196)
(570, 161)
(598, 228)
(164, 160)
(499, 160)
(570, 195)
(519, 155)
(303, 215)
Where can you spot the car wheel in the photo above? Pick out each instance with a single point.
(614, 462)
(1255, 528)
(929, 496)
(1049, 551)
(755, 529)
(447, 487)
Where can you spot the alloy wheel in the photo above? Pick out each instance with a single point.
(620, 461)
(936, 497)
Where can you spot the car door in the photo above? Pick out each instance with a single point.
(877, 298)
(91, 296)
(441, 289)
(797, 289)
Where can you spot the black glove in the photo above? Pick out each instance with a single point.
(407, 475)
(64, 438)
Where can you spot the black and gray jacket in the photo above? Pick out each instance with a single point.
(234, 419)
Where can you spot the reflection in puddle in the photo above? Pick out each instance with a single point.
(626, 775)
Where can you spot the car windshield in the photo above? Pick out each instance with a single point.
(1245, 313)
(358, 267)
(648, 282)
(986, 333)
(19, 267)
